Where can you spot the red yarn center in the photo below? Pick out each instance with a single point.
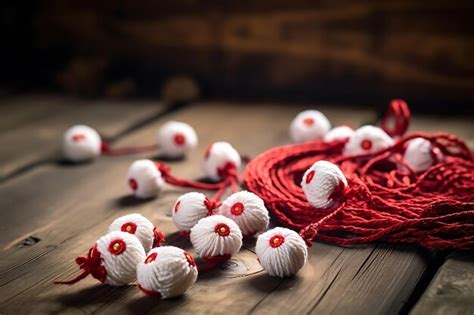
(190, 259)
(133, 184)
(78, 137)
(117, 247)
(151, 258)
(310, 176)
(366, 144)
(179, 139)
(276, 241)
(237, 208)
(226, 169)
(222, 229)
(129, 227)
(308, 122)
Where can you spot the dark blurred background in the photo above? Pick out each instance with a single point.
(338, 51)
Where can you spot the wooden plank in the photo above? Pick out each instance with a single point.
(83, 200)
(452, 289)
(33, 141)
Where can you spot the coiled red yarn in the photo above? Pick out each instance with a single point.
(434, 209)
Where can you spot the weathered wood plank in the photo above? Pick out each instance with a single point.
(452, 289)
(31, 140)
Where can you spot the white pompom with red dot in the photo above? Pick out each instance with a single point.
(139, 226)
(81, 143)
(175, 139)
(309, 125)
(144, 179)
(421, 155)
(167, 272)
(216, 236)
(188, 210)
(247, 210)
(281, 252)
(340, 133)
(367, 139)
(323, 185)
(220, 158)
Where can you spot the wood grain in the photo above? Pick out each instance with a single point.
(33, 136)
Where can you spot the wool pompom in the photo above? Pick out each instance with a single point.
(188, 210)
(220, 158)
(421, 155)
(144, 179)
(167, 272)
(367, 139)
(216, 236)
(247, 210)
(341, 133)
(81, 143)
(281, 252)
(176, 139)
(141, 227)
(324, 185)
(309, 125)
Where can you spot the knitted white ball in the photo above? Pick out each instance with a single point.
(144, 179)
(421, 154)
(81, 143)
(309, 125)
(247, 210)
(176, 139)
(139, 226)
(216, 235)
(188, 210)
(324, 184)
(120, 253)
(167, 272)
(281, 252)
(367, 139)
(219, 158)
(340, 133)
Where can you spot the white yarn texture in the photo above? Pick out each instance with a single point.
(188, 210)
(147, 177)
(175, 139)
(322, 181)
(171, 273)
(375, 137)
(219, 155)
(287, 257)
(121, 268)
(247, 210)
(309, 125)
(419, 154)
(340, 133)
(81, 143)
(209, 243)
(137, 225)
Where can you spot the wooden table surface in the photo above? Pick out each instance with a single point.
(51, 212)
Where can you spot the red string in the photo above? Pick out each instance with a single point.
(90, 264)
(396, 121)
(385, 199)
(212, 262)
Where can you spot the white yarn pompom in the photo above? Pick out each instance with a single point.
(247, 210)
(144, 179)
(340, 133)
(309, 125)
(167, 272)
(176, 139)
(81, 143)
(220, 157)
(421, 154)
(188, 210)
(139, 226)
(281, 252)
(120, 253)
(324, 184)
(216, 235)
(367, 139)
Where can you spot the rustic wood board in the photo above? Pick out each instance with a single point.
(69, 207)
(33, 136)
(452, 289)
